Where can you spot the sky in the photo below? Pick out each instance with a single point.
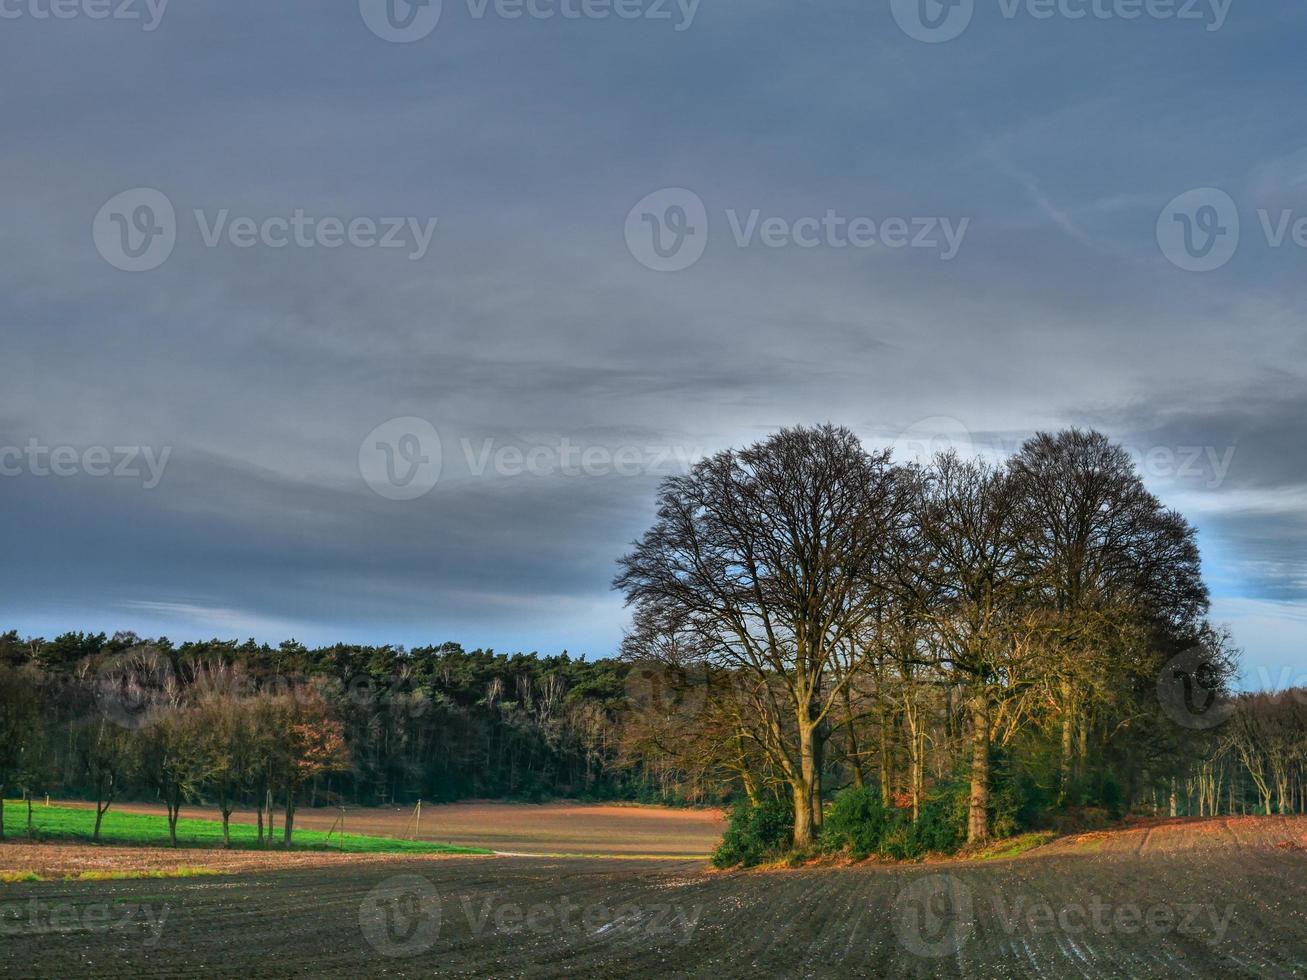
(372, 322)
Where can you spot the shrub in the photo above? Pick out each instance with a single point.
(942, 824)
(755, 834)
(856, 823)
(860, 823)
(1112, 796)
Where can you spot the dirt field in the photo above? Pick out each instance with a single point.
(519, 828)
(70, 860)
(1219, 898)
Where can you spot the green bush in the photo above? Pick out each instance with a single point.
(942, 825)
(755, 834)
(857, 822)
(1112, 796)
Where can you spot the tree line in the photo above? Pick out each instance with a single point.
(250, 726)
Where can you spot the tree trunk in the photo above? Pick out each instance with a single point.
(289, 820)
(750, 787)
(855, 750)
(29, 816)
(1082, 742)
(978, 817)
(1068, 731)
(259, 809)
(886, 759)
(226, 828)
(818, 764)
(912, 725)
(802, 815)
(918, 774)
(2, 811)
(803, 785)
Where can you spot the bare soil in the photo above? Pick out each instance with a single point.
(1214, 898)
(521, 828)
(63, 860)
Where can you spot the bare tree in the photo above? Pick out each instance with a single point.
(1109, 567)
(20, 735)
(110, 756)
(968, 526)
(772, 556)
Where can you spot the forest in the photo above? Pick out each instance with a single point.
(861, 654)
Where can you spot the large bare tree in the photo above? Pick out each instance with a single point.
(1110, 567)
(967, 522)
(773, 556)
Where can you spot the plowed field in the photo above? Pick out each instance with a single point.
(1215, 898)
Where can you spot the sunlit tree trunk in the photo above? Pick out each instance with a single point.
(978, 816)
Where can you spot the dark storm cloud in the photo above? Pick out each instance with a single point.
(528, 324)
(1256, 509)
(1262, 421)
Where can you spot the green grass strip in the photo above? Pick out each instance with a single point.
(151, 830)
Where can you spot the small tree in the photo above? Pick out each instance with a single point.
(109, 755)
(177, 755)
(227, 727)
(20, 734)
(266, 716)
(37, 767)
(315, 744)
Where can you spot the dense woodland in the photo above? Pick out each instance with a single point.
(840, 641)
(90, 716)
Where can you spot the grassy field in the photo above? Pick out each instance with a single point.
(150, 829)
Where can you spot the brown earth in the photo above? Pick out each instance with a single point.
(1215, 898)
(519, 828)
(60, 860)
